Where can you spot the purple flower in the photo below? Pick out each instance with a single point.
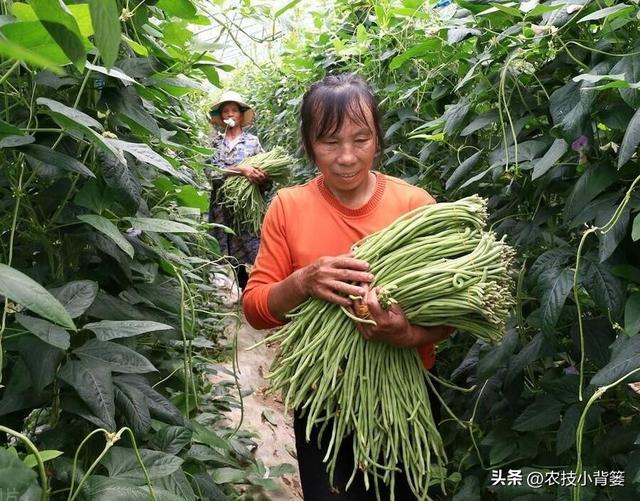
(134, 232)
(571, 370)
(580, 143)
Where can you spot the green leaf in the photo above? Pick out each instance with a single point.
(632, 314)
(630, 140)
(635, 231)
(27, 292)
(172, 439)
(160, 225)
(16, 141)
(113, 73)
(100, 488)
(603, 286)
(285, 8)
(159, 406)
(178, 8)
(132, 404)
(462, 170)
(480, 122)
(53, 158)
(204, 435)
(115, 356)
(113, 329)
(31, 461)
(543, 412)
(106, 24)
(593, 182)
(103, 225)
(144, 153)
(68, 112)
(512, 11)
(550, 158)
(76, 296)
(48, 332)
(602, 13)
(537, 348)
(127, 102)
(553, 299)
(208, 487)
(15, 476)
(94, 386)
(598, 336)
(62, 26)
(122, 463)
(30, 42)
(493, 358)
(625, 357)
(431, 45)
(41, 359)
(229, 475)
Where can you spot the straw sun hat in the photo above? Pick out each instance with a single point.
(248, 115)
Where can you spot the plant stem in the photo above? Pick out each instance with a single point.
(43, 474)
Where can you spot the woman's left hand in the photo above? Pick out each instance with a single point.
(393, 327)
(392, 324)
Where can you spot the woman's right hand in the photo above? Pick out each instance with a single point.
(332, 278)
(252, 174)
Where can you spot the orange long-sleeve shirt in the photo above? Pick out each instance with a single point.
(306, 222)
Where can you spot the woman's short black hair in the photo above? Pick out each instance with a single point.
(329, 101)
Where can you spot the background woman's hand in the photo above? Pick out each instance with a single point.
(333, 278)
(252, 174)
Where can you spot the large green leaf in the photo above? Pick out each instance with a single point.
(550, 158)
(159, 406)
(41, 359)
(55, 159)
(602, 13)
(122, 463)
(427, 47)
(115, 356)
(635, 231)
(144, 153)
(63, 27)
(105, 226)
(113, 329)
(610, 241)
(209, 488)
(48, 332)
(27, 292)
(132, 404)
(76, 296)
(630, 141)
(632, 314)
(106, 24)
(178, 8)
(603, 286)
(15, 476)
(78, 116)
(160, 225)
(172, 439)
(625, 357)
(553, 299)
(593, 182)
(117, 489)
(127, 102)
(94, 386)
(543, 412)
(30, 42)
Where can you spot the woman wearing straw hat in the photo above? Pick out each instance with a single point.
(232, 145)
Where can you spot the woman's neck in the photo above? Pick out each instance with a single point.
(358, 197)
(233, 132)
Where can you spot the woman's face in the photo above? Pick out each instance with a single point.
(231, 110)
(346, 157)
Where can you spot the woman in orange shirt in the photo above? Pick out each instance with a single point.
(305, 248)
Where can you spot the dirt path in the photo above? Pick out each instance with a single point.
(263, 414)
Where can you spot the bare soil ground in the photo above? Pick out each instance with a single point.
(264, 413)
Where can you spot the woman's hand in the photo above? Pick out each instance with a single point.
(253, 174)
(393, 327)
(333, 278)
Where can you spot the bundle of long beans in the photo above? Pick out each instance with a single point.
(442, 269)
(243, 198)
